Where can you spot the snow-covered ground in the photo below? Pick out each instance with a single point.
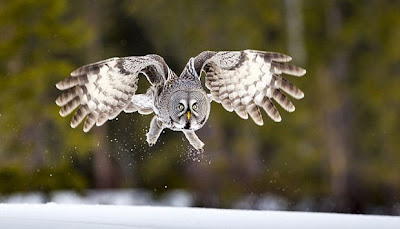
(60, 216)
(177, 198)
(113, 209)
(173, 198)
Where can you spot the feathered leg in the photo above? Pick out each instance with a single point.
(155, 130)
(193, 139)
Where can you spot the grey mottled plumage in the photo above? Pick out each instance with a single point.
(242, 81)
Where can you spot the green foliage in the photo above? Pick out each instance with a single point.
(40, 39)
(44, 179)
(187, 28)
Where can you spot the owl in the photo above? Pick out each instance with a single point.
(241, 81)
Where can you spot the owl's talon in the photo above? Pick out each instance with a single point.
(200, 151)
(154, 132)
(194, 140)
(150, 140)
(151, 144)
(199, 147)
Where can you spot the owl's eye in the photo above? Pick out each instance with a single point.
(194, 106)
(181, 107)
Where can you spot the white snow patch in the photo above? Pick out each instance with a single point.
(110, 216)
(177, 198)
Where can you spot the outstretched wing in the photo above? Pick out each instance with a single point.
(243, 81)
(103, 89)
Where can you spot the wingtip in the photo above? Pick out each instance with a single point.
(73, 125)
(303, 72)
(298, 95)
(59, 86)
(285, 58)
(299, 72)
(74, 73)
(87, 126)
(301, 95)
(58, 102)
(62, 113)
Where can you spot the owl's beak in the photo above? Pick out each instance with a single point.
(188, 114)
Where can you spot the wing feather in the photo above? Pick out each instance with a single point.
(103, 89)
(282, 100)
(243, 81)
(270, 109)
(255, 114)
(79, 115)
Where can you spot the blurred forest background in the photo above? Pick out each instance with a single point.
(338, 152)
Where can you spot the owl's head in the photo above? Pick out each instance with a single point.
(188, 109)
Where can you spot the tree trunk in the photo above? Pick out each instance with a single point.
(336, 122)
(294, 30)
(102, 163)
